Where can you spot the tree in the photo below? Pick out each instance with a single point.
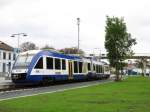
(118, 43)
(142, 63)
(72, 50)
(47, 47)
(28, 46)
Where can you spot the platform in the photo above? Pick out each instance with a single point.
(4, 83)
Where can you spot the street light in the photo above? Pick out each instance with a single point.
(18, 35)
(78, 23)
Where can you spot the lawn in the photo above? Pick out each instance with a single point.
(130, 95)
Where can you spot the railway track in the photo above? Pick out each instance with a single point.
(12, 86)
(30, 91)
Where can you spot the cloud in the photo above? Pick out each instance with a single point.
(4, 3)
(54, 22)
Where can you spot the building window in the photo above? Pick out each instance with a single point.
(0, 55)
(63, 64)
(49, 63)
(80, 67)
(4, 55)
(57, 64)
(75, 67)
(14, 56)
(39, 64)
(9, 56)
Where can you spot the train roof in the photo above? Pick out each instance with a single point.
(30, 52)
(50, 53)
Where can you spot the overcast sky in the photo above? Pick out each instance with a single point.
(53, 22)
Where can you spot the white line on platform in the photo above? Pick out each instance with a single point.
(61, 90)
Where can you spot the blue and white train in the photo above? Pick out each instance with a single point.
(36, 66)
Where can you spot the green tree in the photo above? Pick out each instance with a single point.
(140, 64)
(72, 50)
(28, 46)
(47, 47)
(118, 43)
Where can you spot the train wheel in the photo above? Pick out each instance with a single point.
(47, 81)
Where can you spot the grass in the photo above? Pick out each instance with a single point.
(130, 95)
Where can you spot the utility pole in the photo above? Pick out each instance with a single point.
(78, 23)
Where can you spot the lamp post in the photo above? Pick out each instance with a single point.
(99, 53)
(78, 23)
(18, 35)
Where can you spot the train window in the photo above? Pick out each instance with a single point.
(57, 64)
(49, 63)
(96, 68)
(107, 69)
(93, 67)
(101, 69)
(63, 64)
(80, 67)
(39, 64)
(89, 67)
(75, 67)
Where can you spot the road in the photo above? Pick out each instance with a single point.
(50, 89)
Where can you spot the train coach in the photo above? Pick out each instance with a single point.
(36, 66)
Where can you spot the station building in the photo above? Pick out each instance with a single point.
(7, 58)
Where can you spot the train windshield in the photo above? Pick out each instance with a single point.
(23, 61)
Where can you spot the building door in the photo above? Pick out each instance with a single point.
(9, 67)
(4, 67)
(70, 76)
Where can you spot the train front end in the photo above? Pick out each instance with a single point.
(21, 66)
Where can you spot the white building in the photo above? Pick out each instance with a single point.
(7, 58)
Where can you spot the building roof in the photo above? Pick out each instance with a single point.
(4, 46)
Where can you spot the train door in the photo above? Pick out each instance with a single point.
(70, 74)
